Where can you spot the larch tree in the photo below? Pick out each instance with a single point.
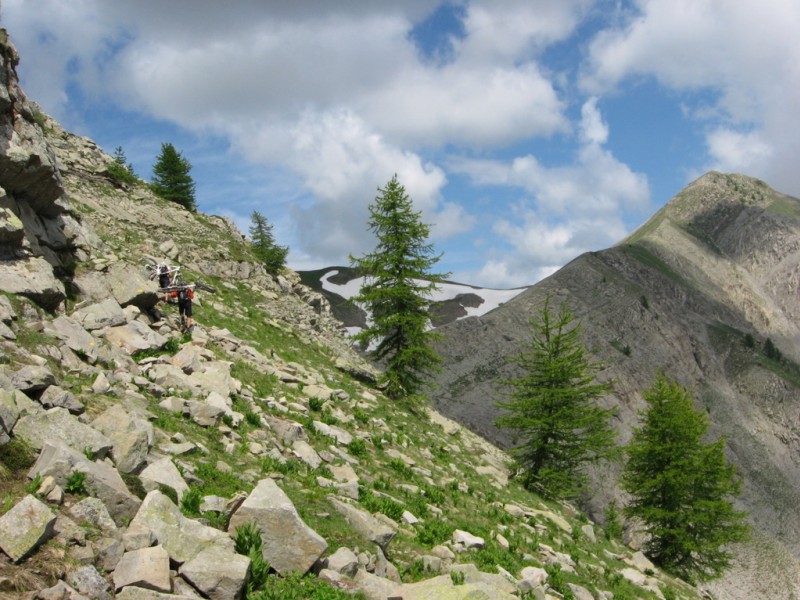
(551, 407)
(396, 293)
(171, 179)
(272, 256)
(681, 487)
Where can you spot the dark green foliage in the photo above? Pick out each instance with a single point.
(681, 487)
(216, 482)
(771, 351)
(433, 532)
(191, 501)
(272, 256)
(171, 180)
(395, 292)
(749, 341)
(17, 455)
(120, 171)
(76, 483)
(297, 587)
(247, 541)
(357, 448)
(551, 407)
(380, 504)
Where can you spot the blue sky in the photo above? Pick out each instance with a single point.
(527, 132)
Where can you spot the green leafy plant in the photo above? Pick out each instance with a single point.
(34, 485)
(357, 447)
(457, 577)
(191, 501)
(434, 532)
(247, 541)
(316, 404)
(76, 483)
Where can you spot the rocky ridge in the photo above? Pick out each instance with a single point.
(132, 454)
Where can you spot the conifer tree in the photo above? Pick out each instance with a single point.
(265, 248)
(396, 292)
(120, 170)
(681, 488)
(171, 179)
(551, 407)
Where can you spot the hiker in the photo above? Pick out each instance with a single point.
(185, 296)
(164, 274)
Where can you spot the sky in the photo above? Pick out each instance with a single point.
(526, 131)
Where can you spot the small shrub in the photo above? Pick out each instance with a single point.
(191, 501)
(749, 341)
(247, 541)
(17, 456)
(415, 571)
(644, 302)
(316, 404)
(381, 504)
(434, 532)
(357, 448)
(360, 415)
(76, 483)
(401, 468)
(457, 577)
(119, 173)
(34, 484)
(272, 465)
(253, 419)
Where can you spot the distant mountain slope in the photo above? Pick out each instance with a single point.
(696, 292)
(451, 302)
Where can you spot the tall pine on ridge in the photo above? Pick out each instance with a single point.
(396, 292)
(681, 487)
(264, 245)
(551, 407)
(171, 180)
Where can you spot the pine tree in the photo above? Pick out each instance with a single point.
(681, 487)
(551, 407)
(171, 180)
(120, 170)
(264, 246)
(396, 292)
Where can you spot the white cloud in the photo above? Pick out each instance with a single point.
(567, 210)
(734, 151)
(745, 53)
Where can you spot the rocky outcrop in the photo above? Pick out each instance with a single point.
(288, 543)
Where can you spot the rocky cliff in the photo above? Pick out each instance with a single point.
(698, 292)
(134, 457)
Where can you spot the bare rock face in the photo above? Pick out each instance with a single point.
(37, 231)
(289, 544)
(27, 164)
(26, 526)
